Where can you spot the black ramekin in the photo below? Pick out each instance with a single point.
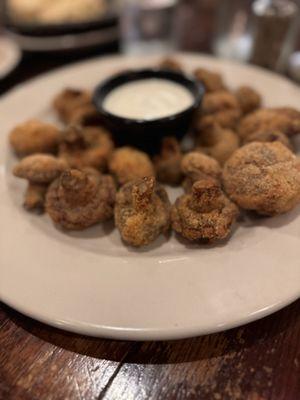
(147, 135)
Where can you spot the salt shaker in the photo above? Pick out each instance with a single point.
(275, 29)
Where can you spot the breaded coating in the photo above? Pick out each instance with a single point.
(74, 106)
(171, 64)
(128, 164)
(86, 115)
(34, 136)
(69, 101)
(248, 98)
(142, 211)
(80, 198)
(168, 163)
(269, 136)
(205, 214)
(212, 81)
(285, 120)
(218, 142)
(197, 166)
(35, 197)
(289, 112)
(40, 168)
(219, 107)
(264, 177)
(86, 147)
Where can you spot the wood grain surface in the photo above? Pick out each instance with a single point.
(259, 361)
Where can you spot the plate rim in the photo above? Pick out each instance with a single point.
(144, 334)
(210, 58)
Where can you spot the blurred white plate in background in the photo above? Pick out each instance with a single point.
(10, 56)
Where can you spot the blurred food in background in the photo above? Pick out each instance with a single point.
(62, 25)
(55, 11)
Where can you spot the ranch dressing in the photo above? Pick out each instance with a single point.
(148, 99)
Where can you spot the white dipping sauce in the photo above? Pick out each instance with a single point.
(148, 99)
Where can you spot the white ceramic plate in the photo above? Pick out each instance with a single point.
(89, 282)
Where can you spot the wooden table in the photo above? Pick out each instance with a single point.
(260, 361)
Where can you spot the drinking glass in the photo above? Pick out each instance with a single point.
(233, 37)
(147, 26)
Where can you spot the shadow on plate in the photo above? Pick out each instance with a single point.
(93, 232)
(249, 219)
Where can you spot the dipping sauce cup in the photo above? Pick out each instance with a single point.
(146, 131)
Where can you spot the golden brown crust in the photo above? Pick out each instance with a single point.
(127, 164)
(221, 108)
(264, 177)
(204, 214)
(218, 142)
(197, 166)
(86, 147)
(212, 81)
(34, 199)
(34, 136)
(85, 115)
(69, 101)
(248, 98)
(285, 120)
(168, 163)
(142, 211)
(171, 64)
(40, 168)
(80, 198)
(269, 136)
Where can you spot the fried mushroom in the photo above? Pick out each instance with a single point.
(285, 120)
(35, 197)
(142, 211)
(218, 142)
(264, 177)
(86, 115)
(248, 98)
(198, 166)
(34, 136)
(268, 136)
(80, 198)
(205, 214)
(171, 64)
(69, 101)
(168, 163)
(86, 147)
(211, 80)
(39, 168)
(219, 107)
(75, 107)
(127, 164)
